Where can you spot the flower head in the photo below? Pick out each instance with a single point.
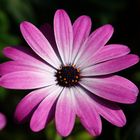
(2, 121)
(71, 71)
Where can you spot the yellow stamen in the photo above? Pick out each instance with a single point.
(76, 77)
(74, 65)
(78, 70)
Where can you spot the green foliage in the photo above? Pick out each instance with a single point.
(4, 22)
(19, 10)
(3, 93)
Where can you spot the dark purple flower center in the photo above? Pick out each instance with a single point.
(68, 76)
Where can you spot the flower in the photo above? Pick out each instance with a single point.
(71, 71)
(2, 121)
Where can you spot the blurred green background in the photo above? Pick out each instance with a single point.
(124, 15)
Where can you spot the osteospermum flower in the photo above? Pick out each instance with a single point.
(2, 121)
(71, 72)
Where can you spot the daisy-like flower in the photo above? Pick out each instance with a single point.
(2, 121)
(71, 72)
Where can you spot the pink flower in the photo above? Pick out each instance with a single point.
(72, 75)
(2, 121)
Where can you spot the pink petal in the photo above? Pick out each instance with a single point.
(81, 30)
(3, 121)
(94, 43)
(111, 66)
(31, 101)
(43, 113)
(14, 66)
(25, 56)
(113, 88)
(39, 43)
(27, 80)
(65, 114)
(64, 35)
(107, 53)
(87, 113)
(110, 111)
(20, 53)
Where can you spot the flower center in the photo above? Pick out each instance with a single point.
(68, 76)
